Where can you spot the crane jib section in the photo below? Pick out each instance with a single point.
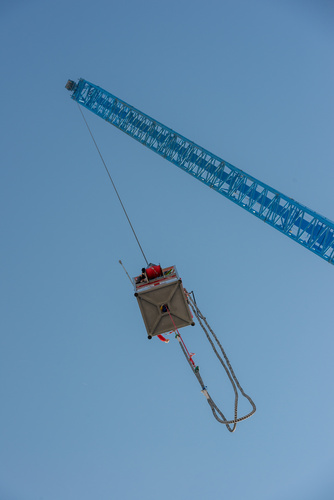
(303, 225)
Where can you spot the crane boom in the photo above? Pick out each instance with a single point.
(301, 224)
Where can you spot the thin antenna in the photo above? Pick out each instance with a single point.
(126, 272)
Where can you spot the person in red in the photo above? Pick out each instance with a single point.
(162, 338)
(142, 277)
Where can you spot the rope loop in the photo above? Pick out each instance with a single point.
(225, 362)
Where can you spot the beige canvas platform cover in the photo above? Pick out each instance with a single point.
(170, 294)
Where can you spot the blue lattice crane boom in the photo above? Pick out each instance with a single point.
(301, 224)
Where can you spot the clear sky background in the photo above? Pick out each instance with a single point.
(90, 409)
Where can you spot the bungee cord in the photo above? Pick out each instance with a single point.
(225, 362)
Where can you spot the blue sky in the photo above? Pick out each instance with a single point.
(89, 407)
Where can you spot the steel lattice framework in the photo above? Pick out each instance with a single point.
(311, 230)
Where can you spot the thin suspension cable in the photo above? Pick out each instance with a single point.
(112, 182)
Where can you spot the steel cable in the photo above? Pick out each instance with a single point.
(113, 184)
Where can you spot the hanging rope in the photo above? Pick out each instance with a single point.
(217, 413)
(112, 182)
